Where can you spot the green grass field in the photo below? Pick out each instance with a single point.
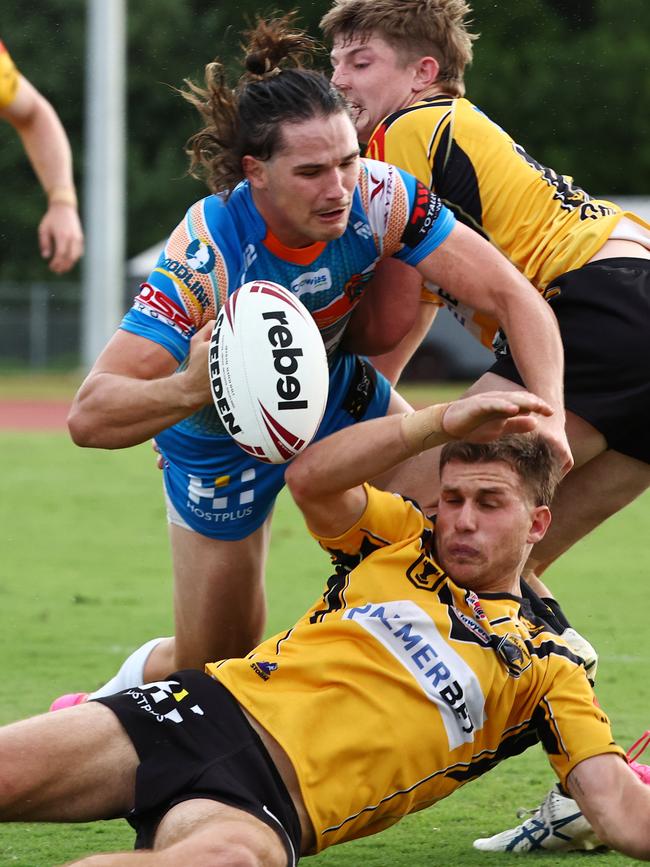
(85, 577)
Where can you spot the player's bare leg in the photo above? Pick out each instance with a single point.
(219, 600)
(73, 766)
(203, 832)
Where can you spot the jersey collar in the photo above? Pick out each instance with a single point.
(296, 255)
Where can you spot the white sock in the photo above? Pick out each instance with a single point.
(131, 673)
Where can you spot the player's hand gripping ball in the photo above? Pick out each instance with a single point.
(268, 371)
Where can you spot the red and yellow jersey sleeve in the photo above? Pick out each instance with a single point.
(8, 77)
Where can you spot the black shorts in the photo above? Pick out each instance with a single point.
(603, 310)
(193, 741)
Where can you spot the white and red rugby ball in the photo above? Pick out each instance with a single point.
(268, 371)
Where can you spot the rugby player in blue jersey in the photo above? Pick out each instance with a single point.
(292, 202)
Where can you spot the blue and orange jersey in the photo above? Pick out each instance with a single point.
(221, 244)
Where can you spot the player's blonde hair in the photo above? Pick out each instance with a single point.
(414, 28)
(276, 87)
(529, 455)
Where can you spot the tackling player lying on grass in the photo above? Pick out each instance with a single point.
(291, 202)
(418, 669)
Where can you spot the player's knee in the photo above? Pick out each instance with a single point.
(234, 845)
(231, 855)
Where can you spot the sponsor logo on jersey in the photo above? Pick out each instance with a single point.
(211, 500)
(472, 625)
(155, 698)
(181, 272)
(312, 281)
(568, 194)
(424, 213)
(200, 256)
(355, 286)
(595, 210)
(264, 669)
(424, 573)
(362, 229)
(156, 304)
(413, 639)
(377, 186)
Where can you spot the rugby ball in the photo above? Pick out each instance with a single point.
(268, 371)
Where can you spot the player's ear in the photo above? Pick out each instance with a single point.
(426, 73)
(540, 522)
(254, 171)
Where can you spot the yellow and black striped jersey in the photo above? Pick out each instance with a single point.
(398, 686)
(8, 77)
(537, 218)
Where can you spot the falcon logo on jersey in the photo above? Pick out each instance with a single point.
(200, 256)
(156, 304)
(514, 653)
(424, 213)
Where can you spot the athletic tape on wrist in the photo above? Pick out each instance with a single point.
(62, 196)
(424, 429)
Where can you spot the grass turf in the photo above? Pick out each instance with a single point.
(85, 577)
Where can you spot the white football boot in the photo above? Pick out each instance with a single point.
(556, 824)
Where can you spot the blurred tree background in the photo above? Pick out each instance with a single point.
(569, 79)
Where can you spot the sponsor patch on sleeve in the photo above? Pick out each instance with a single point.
(152, 302)
(424, 213)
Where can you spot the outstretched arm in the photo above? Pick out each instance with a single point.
(478, 275)
(326, 480)
(133, 392)
(47, 147)
(616, 803)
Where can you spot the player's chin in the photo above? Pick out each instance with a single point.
(331, 225)
(465, 571)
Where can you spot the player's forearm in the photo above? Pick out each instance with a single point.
(536, 346)
(113, 411)
(615, 802)
(48, 149)
(356, 454)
